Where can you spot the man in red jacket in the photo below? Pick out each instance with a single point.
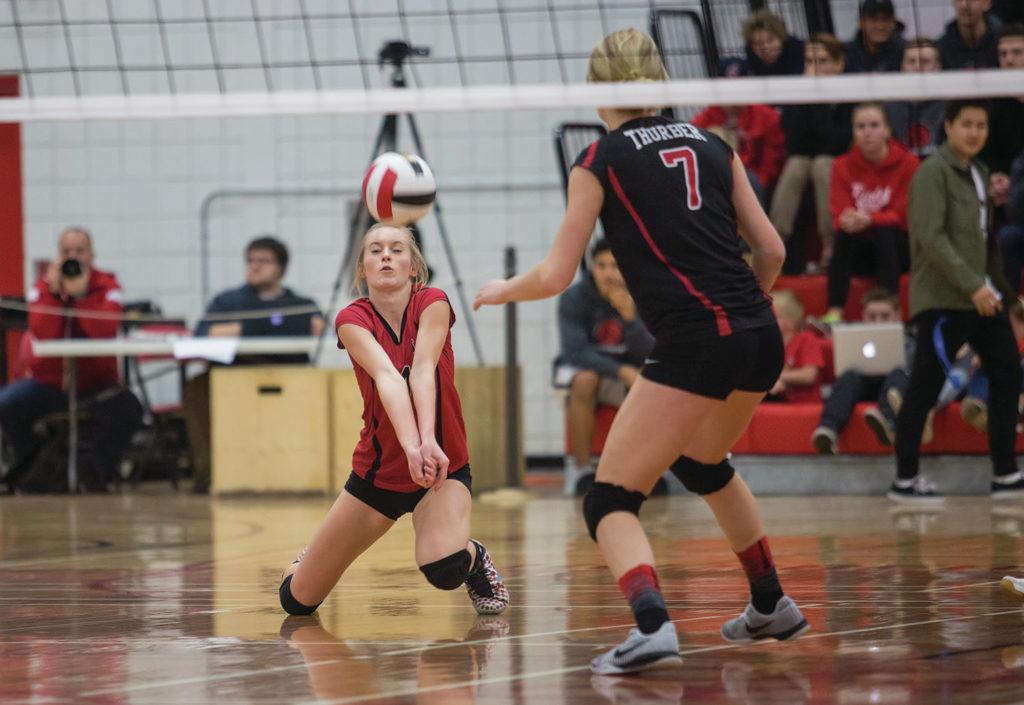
(868, 202)
(72, 301)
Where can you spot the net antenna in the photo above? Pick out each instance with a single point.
(394, 55)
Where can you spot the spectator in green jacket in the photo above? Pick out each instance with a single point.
(958, 294)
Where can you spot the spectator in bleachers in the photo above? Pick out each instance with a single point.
(771, 50)
(868, 202)
(1011, 234)
(815, 136)
(879, 306)
(754, 131)
(878, 44)
(800, 380)
(1006, 121)
(263, 294)
(957, 286)
(603, 346)
(72, 285)
(918, 124)
(974, 407)
(969, 41)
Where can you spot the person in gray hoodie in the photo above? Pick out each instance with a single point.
(603, 346)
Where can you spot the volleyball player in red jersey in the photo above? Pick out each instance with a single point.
(411, 455)
(673, 200)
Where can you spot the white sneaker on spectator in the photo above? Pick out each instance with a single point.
(824, 440)
(880, 426)
(1013, 586)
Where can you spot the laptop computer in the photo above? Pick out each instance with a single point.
(874, 349)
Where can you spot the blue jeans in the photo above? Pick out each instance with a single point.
(115, 417)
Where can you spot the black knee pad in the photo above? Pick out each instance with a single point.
(605, 498)
(700, 478)
(450, 572)
(290, 604)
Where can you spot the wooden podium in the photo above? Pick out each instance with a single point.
(293, 429)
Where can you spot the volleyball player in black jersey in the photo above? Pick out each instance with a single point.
(674, 201)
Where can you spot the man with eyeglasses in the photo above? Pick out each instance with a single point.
(271, 309)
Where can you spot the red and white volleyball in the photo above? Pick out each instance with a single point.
(398, 189)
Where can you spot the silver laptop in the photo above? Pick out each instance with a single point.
(874, 349)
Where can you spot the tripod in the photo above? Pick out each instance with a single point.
(395, 55)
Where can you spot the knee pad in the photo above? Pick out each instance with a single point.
(605, 498)
(290, 604)
(700, 478)
(450, 572)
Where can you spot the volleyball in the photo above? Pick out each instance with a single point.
(398, 189)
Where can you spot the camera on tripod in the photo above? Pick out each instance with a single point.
(396, 52)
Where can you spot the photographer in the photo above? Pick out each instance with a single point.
(72, 285)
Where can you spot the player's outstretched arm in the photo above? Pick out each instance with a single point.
(765, 244)
(433, 331)
(553, 274)
(394, 393)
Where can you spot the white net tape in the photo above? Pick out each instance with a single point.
(775, 91)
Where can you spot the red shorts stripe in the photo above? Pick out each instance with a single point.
(720, 318)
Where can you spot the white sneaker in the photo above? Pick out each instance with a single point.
(824, 440)
(916, 493)
(1013, 586)
(641, 652)
(786, 622)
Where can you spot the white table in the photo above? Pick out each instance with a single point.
(74, 348)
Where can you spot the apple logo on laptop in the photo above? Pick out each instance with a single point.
(870, 351)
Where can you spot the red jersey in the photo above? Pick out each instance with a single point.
(103, 295)
(804, 349)
(762, 143)
(378, 457)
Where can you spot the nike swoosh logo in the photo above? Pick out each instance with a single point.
(756, 630)
(649, 361)
(620, 652)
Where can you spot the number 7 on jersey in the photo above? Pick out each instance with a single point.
(671, 158)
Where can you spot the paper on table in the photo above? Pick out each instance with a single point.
(220, 350)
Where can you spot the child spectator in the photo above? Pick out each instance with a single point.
(815, 136)
(878, 44)
(918, 124)
(974, 407)
(754, 131)
(868, 202)
(771, 50)
(800, 380)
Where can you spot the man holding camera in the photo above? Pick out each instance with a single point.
(73, 300)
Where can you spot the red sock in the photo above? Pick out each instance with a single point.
(757, 562)
(641, 588)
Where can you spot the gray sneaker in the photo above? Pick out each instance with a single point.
(786, 622)
(641, 652)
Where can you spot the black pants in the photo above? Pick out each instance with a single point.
(852, 387)
(992, 339)
(882, 253)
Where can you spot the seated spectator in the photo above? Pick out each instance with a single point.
(1006, 120)
(1011, 235)
(868, 203)
(266, 260)
(974, 407)
(754, 131)
(771, 50)
(74, 286)
(815, 136)
(880, 306)
(918, 124)
(878, 45)
(969, 41)
(800, 380)
(603, 347)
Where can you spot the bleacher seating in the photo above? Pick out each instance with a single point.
(812, 290)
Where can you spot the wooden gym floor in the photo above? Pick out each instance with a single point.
(163, 598)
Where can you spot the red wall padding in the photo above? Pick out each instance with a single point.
(12, 249)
